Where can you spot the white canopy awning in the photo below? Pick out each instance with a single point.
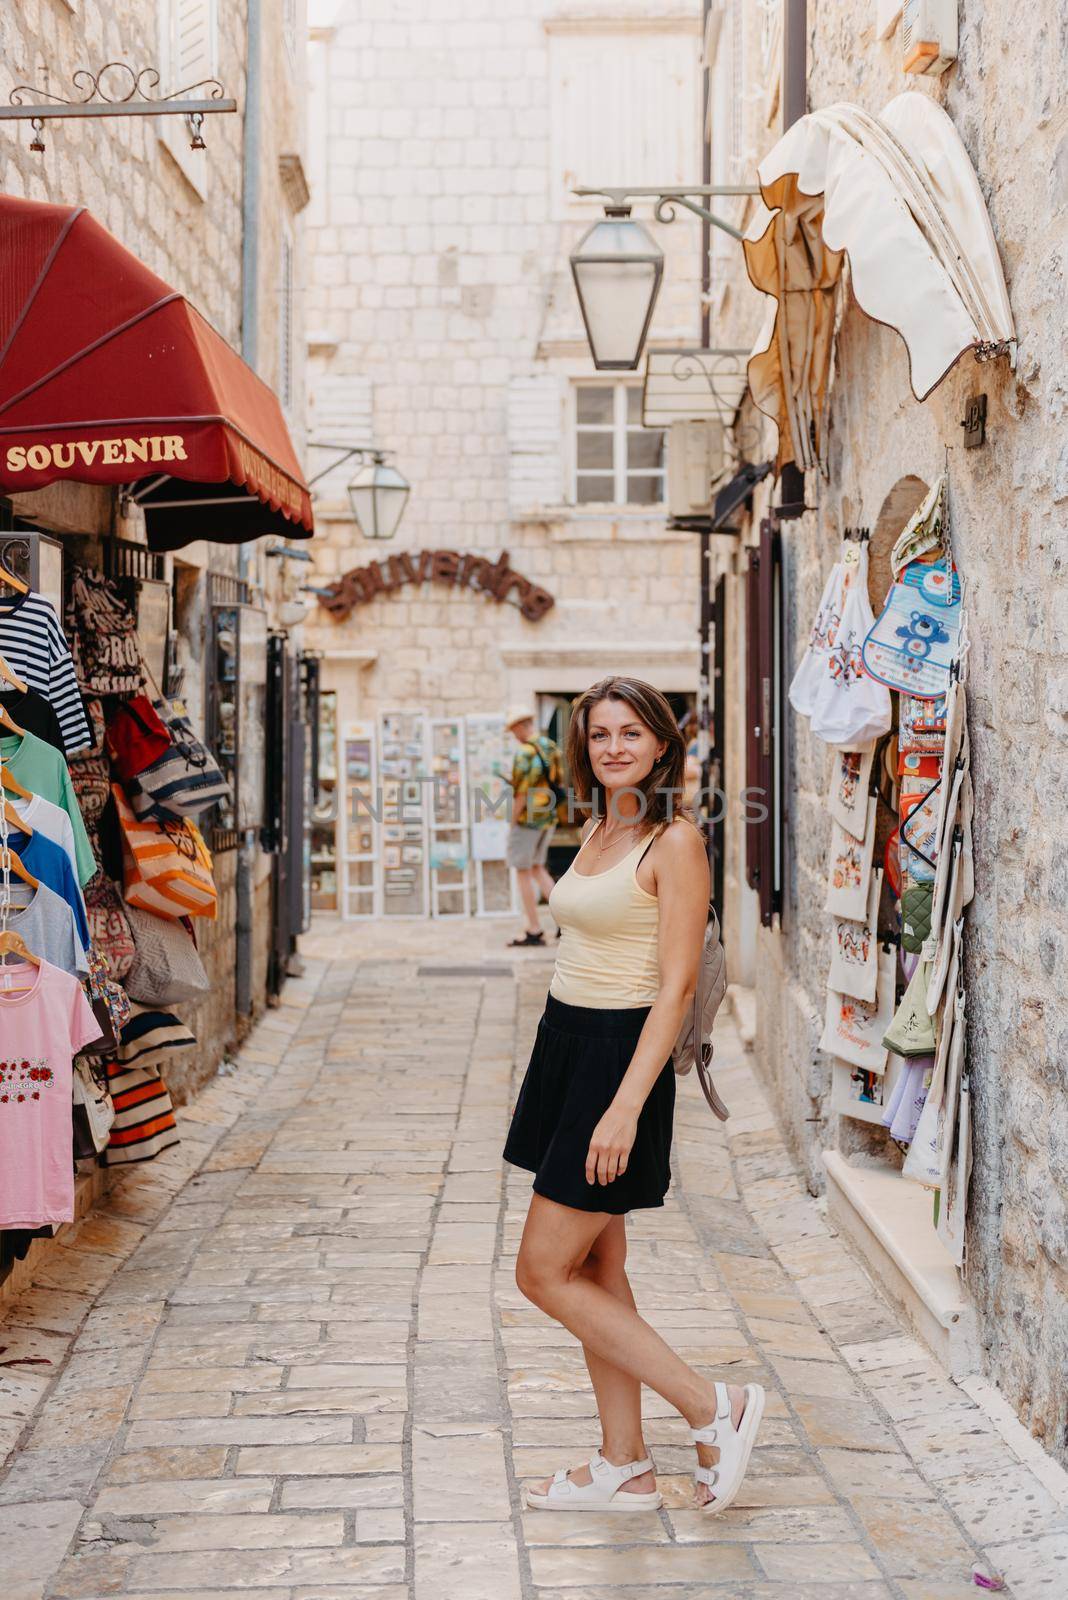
(897, 195)
(692, 385)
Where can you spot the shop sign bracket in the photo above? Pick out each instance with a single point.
(668, 198)
(117, 90)
(974, 421)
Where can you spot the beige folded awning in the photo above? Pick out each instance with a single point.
(897, 195)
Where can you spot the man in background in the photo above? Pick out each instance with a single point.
(536, 771)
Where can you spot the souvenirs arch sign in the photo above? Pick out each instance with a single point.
(462, 571)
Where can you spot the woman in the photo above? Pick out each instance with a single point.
(593, 1118)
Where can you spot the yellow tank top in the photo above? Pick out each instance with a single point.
(607, 955)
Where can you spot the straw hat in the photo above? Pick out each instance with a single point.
(518, 714)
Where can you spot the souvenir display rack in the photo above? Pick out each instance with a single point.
(450, 880)
(490, 751)
(405, 868)
(358, 789)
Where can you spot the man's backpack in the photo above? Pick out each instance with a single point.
(559, 790)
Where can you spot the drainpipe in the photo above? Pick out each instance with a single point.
(250, 263)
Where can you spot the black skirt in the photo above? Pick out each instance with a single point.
(579, 1058)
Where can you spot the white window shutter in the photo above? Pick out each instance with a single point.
(193, 36)
(535, 443)
(340, 412)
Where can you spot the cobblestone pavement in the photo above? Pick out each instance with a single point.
(289, 1362)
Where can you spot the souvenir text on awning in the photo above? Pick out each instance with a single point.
(109, 376)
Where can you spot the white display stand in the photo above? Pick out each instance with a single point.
(450, 848)
(406, 801)
(358, 889)
(490, 752)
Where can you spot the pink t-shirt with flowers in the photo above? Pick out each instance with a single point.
(45, 1020)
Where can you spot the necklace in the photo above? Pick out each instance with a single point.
(626, 829)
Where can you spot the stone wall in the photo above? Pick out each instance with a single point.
(1006, 503)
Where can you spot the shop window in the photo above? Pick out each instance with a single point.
(237, 704)
(765, 728)
(617, 461)
(324, 868)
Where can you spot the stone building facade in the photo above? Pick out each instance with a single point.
(1006, 507)
(443, 327)
(194, 219)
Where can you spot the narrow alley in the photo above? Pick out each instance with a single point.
(290, 1358)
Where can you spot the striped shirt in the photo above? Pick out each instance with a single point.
(35, 648)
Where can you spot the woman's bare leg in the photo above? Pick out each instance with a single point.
(556, 1242)
(619, 1395)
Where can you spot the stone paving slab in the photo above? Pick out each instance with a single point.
(288, 1360)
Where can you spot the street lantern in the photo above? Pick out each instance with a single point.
(378, 495)
(617, 267)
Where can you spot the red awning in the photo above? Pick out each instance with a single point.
(108, 375)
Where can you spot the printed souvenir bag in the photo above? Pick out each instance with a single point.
(93, 1112)
(849, 707)
(136, 737)
(166, 865)
(110, 1003)
(166, 969)
(813, 666)
(914, 640)
(103, 636)
(90, 778)
(109, 926)
(186, 779)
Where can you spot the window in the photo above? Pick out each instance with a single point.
(624, 104)
(188, 56)
(617, 461)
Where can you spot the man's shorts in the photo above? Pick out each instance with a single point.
(528, 847)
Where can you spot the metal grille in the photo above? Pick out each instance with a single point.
(125, 559)
(227, 589)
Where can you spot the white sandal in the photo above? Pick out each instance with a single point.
(602, 1491)
(735, 1445)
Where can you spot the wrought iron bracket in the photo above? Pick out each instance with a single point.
(365, 453)
(116, 90)
(668, 199)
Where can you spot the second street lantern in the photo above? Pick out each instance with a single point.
(617, 267)
(378, 495)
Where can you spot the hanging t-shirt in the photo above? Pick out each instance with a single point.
(47, 862)
(33, 714)
(47, 925)
(43, 771)
(51, 820)
(35, 648)
(42, 1027)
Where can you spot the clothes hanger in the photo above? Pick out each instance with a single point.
(10, 862)
(13, 819)
(7, 721)
(13, 786)
(11, 578)
(7, 676)
(13, 944)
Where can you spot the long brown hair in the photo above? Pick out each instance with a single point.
(662, 787)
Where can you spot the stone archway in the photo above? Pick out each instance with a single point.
(904, 498)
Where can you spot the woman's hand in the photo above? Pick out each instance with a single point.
(611, 1145)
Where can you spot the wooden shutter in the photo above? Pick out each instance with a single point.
(535, 444)
(192, 42)
(340, 412)
(765, 741)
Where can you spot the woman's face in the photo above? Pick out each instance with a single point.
(623, 749)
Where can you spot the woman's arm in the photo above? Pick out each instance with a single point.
(682, 887)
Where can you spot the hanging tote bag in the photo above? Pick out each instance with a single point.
(109, 926)
(166, 969)
(849, 707)
(813, 665)
(912, 645)
(103, 636)
(135, 737)
(166, 866)
(94, 1114)
(186, 780)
